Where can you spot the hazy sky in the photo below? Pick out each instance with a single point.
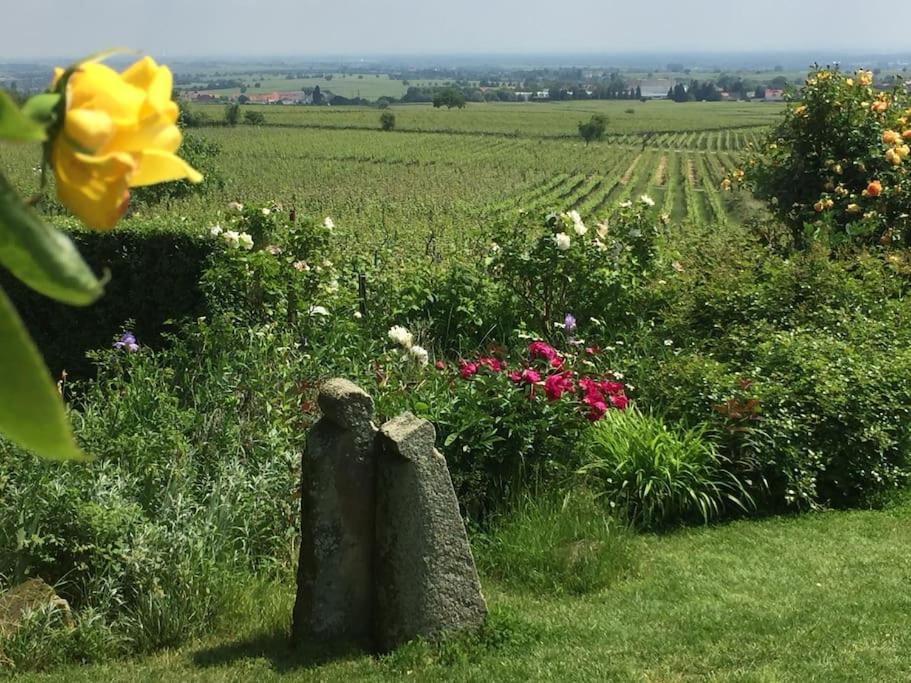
(34, 28)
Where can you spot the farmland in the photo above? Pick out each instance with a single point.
(444, 172)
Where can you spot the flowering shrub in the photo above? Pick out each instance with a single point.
(593, 271)
(273, 266)
(505, 425)
(835, 168)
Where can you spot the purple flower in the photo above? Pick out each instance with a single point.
(569, 324)
(127, 342)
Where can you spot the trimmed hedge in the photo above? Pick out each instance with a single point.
(154, 280)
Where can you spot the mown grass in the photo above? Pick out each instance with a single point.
(821, 597)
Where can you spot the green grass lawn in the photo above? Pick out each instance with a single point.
(822, 597)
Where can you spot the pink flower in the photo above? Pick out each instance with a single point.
(539, 349)
(530, 376)
(556, 362)
(440, 365)
(619, 401)
(493, 364)
(515, 376)
(467, 370)
(597, 410)
(556, 385)
(611, 388)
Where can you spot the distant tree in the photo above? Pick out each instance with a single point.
(256, 85)
(638, 92)
(242, 99)
(317, 95)
(232, 114)
(779, 82)
(254, 118)
(449, 97)
(760, 93)
(243, 88)
(387, 120)
(594, 128)
(329, 77)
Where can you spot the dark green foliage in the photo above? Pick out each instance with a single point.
(593, 129)
(387, 120)
(254, 118)
(449, 98)
(232, 114)
(154, 279)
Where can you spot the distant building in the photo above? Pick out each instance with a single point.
(524, 95)
(656, 88)
(774, 95)
(542, 95)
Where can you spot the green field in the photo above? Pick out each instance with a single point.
(446, 172)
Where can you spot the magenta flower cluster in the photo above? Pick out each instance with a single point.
(546, 369)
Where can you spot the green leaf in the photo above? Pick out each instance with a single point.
(41, 109)
(41, 256)
(31, 410)
(15, 125)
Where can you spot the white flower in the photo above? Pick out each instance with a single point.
(665, 218)
(319, 310)
(562, 240)
(578, 225)
(600, 246)
(232, 237)
(401, 336)
(648, 201)
(327, 263)
(235, 206)
(245, 241)
(626, 204)
(300, 266)
(266, 212)
(274, 249)
(328, 223)
(358, 315)
(494, 248)
(215, 230)
(419, 353)
(602, 229)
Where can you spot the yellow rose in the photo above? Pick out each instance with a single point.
(119, 132)
(850, 82)
(902, 151)
(891, 137)
(893, 157)
(865, 77)
(854, 209)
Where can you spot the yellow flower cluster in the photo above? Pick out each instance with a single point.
(865, 78)
(897, 151)
(119, 131)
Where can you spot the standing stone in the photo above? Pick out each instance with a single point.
(338, 469)
(426, 580)
(33, 594)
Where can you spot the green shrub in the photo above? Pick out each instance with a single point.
(656, 475)
(154, 279)
(818, 344)
(552, 546)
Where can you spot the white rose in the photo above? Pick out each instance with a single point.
(562, 240)
(419, 353)
(245, 241)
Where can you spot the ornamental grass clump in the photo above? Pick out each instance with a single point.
(657, 475)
